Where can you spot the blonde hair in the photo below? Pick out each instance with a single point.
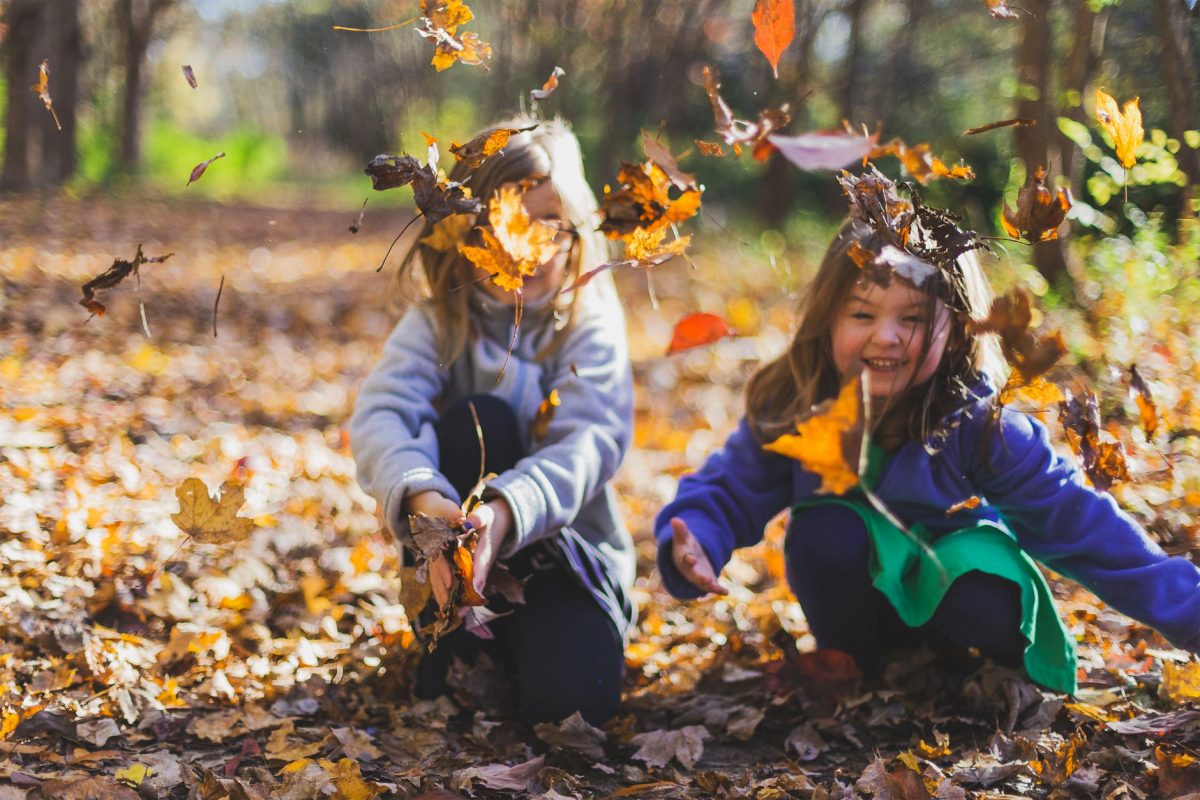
(785, 389)
(541, 150)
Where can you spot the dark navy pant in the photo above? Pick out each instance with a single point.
(561, 650)
(827, 551)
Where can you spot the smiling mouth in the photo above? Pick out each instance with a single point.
(884, 364)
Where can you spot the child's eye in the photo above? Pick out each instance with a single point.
(915, 320)
(860, 315)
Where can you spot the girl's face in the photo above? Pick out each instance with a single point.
(883, 331)
(543, 204)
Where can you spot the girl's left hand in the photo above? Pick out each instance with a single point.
(493, 520)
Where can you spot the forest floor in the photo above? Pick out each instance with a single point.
(134, 663)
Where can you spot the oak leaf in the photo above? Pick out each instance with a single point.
(1040, 211)
(1124, 125)
(829, 441)
(697, 330)
(514, 246)
(211, 522)
(774, 28)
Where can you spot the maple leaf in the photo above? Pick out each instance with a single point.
(431, 535)
(189, 75)
(42, 90)
(544, 416)
(644, 201)
(1145, 402)
(440, 20)
(919, 162)
(774, 28)
(1123, 125)
(739, 133)
(644, 249)
(829, 441)
(658, 748)
(824, 149)
(1037, 391)
(200, 168)
(447, 234)
(549, 86)
(697, 330)
(211, 522)
(436, 199)
(1103, 462)
(514, 246)
(1039, 212)
(118, 272)
(1011, 317)
(483, 146)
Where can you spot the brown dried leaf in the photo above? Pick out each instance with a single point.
(739, 133)
(211, 522)
(42, 90)
(483, 146)
(118, 272)
(1145, 402)
(189, 75)
(200, 168)
(1039, 212)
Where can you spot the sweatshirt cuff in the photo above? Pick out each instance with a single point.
(528, 506)
(415, 481)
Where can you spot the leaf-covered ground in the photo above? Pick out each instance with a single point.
(135, 664)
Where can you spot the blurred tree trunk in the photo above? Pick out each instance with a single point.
(1032, 142)
(1179, 73)
(901, 70)
(851, 72)
(136, 19)
(36, 152)
(1087, 45)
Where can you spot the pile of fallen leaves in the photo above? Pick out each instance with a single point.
(161, 640)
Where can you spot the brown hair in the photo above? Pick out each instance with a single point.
(785, 389)
(543, 150)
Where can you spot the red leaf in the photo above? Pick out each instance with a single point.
(696, 330)
(198, 170)
(774, 28)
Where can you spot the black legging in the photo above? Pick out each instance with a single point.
(561, 649)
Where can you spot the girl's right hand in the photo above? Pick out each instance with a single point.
(435, 504)
(691, 560)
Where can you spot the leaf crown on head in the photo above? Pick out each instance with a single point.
(906, 239)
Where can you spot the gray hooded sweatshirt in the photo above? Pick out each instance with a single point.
(559, 491)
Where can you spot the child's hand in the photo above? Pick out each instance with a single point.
(493, 520)
(691, 560)
(435, 504)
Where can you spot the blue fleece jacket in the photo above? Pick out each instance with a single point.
(1057, 518)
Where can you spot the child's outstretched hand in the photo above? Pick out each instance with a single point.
(691, 560)
(493, 520)
(435, 504)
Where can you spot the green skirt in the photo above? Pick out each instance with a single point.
(915, 583)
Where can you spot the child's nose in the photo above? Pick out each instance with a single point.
(887, 332)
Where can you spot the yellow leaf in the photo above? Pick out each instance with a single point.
(350, 783)
(10, 368)
(134, 774)
(822, 441)
(448, 233)
(1181, 682)
(1124, 125)
(544, 416)
(515, 246)
(646, 243)
(207, 521)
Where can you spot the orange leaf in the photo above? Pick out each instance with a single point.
(828, 442)
(1039, 212)
(696, 330)
(544, 416)
(1124, 125)
(962, 505)
(42, 90)
(919, 162)
(710, 148)
(466, 570)
(515, 246)
(774, 28)
(549, 86)
(1145, 402)
(482, 147)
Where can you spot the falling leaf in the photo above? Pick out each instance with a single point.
(1039, 212)
(658, 748)
(919, 162)
(440, 20)
(1103, 462)
(549, 86)
(663, 158)
(118, 272)
(357, 224)
(696, 330)
(1123, 125)
(199, 169)
(514, 246)
(1037, 391)
(710, 148)
(774, 28)
(963, 505)
(447, 234)
(1145, 402)
(1011, 317)
(211, 522)
(643, 200)
(999, 9)
(42, 89)
(829, 441)
(435, 198)
(189, 75)
(482, 147)
(1019, 122)
(739, 133)
(824, 149)
(544, 416)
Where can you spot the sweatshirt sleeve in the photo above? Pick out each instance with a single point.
(1075, 530)
(391, 429)
(726, 505)
(588, 436)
